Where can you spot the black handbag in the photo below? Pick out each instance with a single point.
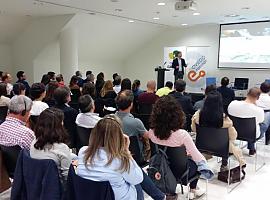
(235, 174)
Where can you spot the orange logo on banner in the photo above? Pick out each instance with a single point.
(192, 75)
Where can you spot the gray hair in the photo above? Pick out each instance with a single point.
(90, 77)
(19, 103)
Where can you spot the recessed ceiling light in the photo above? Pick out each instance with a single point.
(131, 21)
(232, 15)
(184, 24)
(114, 1)
(156, 18)
(245, 8)
(161, 4)
(118, 10)
(196, 13)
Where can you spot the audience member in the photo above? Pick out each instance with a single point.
(49, 98)
(114, 76)
(248, 109)
(7, 79)
(73, 84)
(18, 89)
(4, 101)
(125, 84)
(89, 88)
(52, 76)
(78, 74)
(50, 142)
(1, 74)
(136, 88)
(60, 80)
(22, 79)
(62, 97)
(90, 78)
(99, 83)
(107, 158)
(212, 115)
(149, 97)
(117, 84)
(108, 94)
(166, 122)
(165, 90)
(45, 79)
(87, 74)
(227, 93)
(87, 118)
(13, 131)
(199, 104)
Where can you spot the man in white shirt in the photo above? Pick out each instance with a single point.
(117, 82)
(7, 79)
(248, 109)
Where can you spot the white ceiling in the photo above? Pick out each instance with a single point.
(212, 11)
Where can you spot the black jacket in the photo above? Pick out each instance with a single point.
(185, 102)
(175, 63)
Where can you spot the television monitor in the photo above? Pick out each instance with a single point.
(241, 83)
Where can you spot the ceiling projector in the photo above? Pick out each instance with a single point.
(186, 5)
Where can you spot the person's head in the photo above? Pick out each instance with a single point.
(136, 85)
(253, 95)
(210, 88)
(61, 95)
(50, 91)
(167, 116)
(212, 111)
(225, 81)
(108, 86)
(114, 76)
(73, 81)
(6, 78)
(51, 75)
(78, 74)
(90, 78)
(169, 84)
(108, 135)
(125, 84)
(89, 88)
(88, 73)
(265, 87)
(151, 86)
(59, 78)
(21, 75)
(37, 91)
(124, 100)
(3, 89)
(100, 76)
(86, 104)
(180, 85)
(18, 89)
(49, 128)
(20, 107)
(179, 54)
(45, 79)
(117, 80)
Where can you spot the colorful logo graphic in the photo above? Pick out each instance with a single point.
(196, 72)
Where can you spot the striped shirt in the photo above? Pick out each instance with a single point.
(14, 132)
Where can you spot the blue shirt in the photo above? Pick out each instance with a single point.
(123, 183)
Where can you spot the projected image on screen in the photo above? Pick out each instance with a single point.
(245, 45)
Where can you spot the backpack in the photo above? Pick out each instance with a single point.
(160, 172)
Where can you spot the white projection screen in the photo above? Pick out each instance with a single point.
(245, 45)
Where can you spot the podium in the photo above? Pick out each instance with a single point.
(160, 76)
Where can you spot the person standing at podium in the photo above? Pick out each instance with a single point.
(179, 64)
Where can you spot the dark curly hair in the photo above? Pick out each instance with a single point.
(49, 128)
(167, 116)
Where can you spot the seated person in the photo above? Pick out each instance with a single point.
(107, 158)
(199, 104)
(117, 84)
(50, 142)
(18, 89)
(13, 130)
(165, 90)
(4, 101)
(212, 115)
(108, 94)
(226, 93)
(249, 109)
(87, 118)
(167, 120)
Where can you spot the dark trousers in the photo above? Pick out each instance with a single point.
(193, 168)
(178, 75)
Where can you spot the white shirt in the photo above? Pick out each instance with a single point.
(117, 88)
(38, 107)
(9, 88)
(4, 101)
(87, 120)
(264, 101)
(180, 64)
(246, 110)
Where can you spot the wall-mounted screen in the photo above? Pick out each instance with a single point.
(245, 45)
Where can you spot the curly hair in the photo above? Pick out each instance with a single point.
(167, 116)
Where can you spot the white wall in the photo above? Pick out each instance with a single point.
(142, 63)
(5, 58)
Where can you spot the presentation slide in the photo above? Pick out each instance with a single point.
(245, 45)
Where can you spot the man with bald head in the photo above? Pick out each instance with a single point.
(249, 109)
(149, 97)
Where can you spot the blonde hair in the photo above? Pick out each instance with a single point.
(108, 86)
(108, 134)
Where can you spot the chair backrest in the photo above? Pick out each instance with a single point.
(10, 156)
(245, 127)
(135, 149)
(214, 141)
(145, 108)
(3, 113)
(83, 136)
(79, 188)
